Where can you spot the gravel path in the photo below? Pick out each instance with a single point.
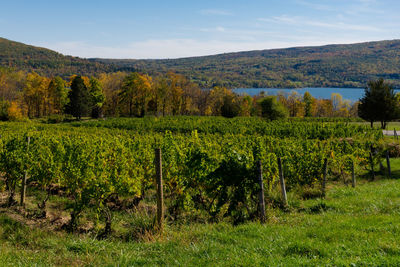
(389, 132)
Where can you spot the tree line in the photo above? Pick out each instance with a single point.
(30, 95)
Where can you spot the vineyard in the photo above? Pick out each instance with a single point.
(209, 164)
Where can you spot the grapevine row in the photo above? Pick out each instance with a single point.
(205, 172)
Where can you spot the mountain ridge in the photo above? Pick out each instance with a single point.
(333, 65)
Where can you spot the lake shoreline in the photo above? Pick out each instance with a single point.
(351, 94)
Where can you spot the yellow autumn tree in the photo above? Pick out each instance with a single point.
(136, 91)
(323, 108)
(246, 105)
(35, 94)
(176, 91)
(340, 107)
(10, 84)
(112, 84)
(295, 105)
(14, 112)
(162, 96)
(216, 99)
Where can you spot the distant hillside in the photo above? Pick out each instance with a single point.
(44, 61)
(324, 66)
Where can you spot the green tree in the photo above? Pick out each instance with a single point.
(230, 106)
(378, 103)
(79, 98)
(308, 104)
(58, 95)
(97, 97)
(272, 109)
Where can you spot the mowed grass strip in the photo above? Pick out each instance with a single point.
(358, 226)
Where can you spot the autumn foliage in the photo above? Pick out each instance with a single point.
(137, 94)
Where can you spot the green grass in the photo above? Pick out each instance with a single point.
(358, 226)
(390, 126)
(395, 166)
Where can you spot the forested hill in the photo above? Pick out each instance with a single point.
(324, 66)
(20, 56)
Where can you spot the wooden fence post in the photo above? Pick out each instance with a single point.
(25, 177)
(372, 165)
(160, 196)
(388, 164)
(353, 175)
(282, 182)
(325, 173)
(395, 134)
(380, 165)
(261, 192)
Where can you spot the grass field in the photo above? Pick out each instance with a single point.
(358, 226)
(390, 126)
(394, 125)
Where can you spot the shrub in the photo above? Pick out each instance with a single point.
(231, 107)
(271, 109)
(59, 118)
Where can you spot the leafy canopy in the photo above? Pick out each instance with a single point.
(379, 103)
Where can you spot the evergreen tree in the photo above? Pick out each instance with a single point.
(79, 99)
(379, 103)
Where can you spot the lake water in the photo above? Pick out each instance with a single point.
(352, 94)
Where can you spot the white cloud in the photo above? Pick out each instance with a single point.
(303, 21)
(320, 7)
(364, 7)
(352, 7)
(216, 12)
(367, 2)
(285, 19)
(216, 29)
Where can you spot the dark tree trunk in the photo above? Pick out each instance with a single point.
(108, 219)
(130, 109)
(73, 223)
(42, 206)
(11, 200)
(163, 108)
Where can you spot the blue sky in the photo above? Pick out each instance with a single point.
(175, 28)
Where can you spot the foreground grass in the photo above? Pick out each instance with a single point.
(358, 226)
(390, 126)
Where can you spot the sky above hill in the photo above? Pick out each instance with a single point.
(182, 28)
